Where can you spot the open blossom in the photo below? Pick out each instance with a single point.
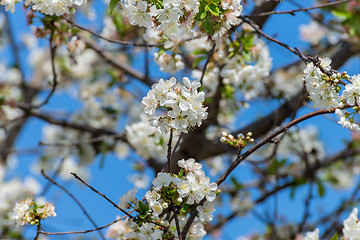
(205, 211)
(128, 198)
(118, 230)
(29, 212)
(312, 32)
(137, 14)
(322, 93)
(184, 105)
(147, 141)
(181, 16)
(169, 190)
(351, 229)
(352, 91)
(314, 235)
(55, 7)
(345, 120)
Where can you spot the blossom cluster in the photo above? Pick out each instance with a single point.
(148, 142)
(175, 16)
(323, 86)
(183, 105)
(54, 7)
(29, 212)
(240, 142)
(351, 228)
(170, 192)
(323, 90)
(244, 69)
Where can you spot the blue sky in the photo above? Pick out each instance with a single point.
(112, 180)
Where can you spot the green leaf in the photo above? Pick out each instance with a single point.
(321, 188)
(335, 237)
(275, 165)
(198, 60)
(200, 52)
(143, 209)
(113, 4)
(181, 173)
(214, 10)
(203, 15)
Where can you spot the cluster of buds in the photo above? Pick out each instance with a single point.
(29, 212)
(240, 142)
(335, 78)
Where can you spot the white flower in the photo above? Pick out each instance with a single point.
(205, 211)
(208, 189)
(184, 105)
(351, 229)
(345, 120)
(10, 4)
(312, 32)
(21, 212)
(322, 93)
(57, 7)
(137, 14)
(118, 229)
(314, 235)
(128, 198)
(25, 212)
(189, 164)
(352, 91)
(162, 180)
(150, 103)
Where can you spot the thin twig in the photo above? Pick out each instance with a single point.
(92, 140)
(240, 158)
(111, 40)
(102, 195)
(54, 80)
(259, 31)
(268, 138)
(176, 221)
(64, 123)
(75, 199)
(207, 61)
(107, 199)
(297, 10)
(169, 149)
(79, 232)
(307, 207)
(109, 58)
(177, 144)
(56, 173)
(37, 231)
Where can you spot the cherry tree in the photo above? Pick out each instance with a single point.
(177, 88)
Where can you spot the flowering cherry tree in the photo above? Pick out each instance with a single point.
(177, 88)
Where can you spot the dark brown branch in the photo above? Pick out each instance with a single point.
(75, 199)
(169, 150)
(66, 124)
(37, 231)
(176, 221)
(265, 7)
(92, 140)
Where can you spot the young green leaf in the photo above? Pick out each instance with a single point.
(113, 4)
